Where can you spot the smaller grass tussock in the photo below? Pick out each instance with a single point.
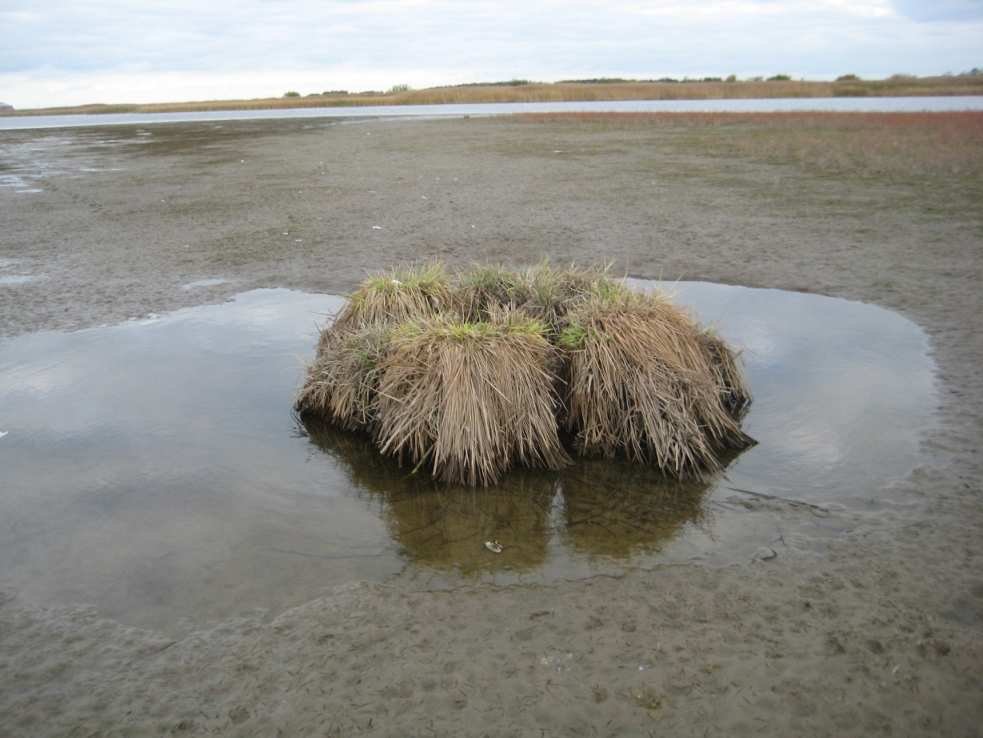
(472, 375)
(402, 294)
(550, 293)
(470, 399)
(542, 291)
(643, 385)
(343, 380)
(486, 287)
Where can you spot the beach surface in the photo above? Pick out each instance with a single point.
(875, 631)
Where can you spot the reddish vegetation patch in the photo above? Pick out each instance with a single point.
(963, 119)
(904, 144)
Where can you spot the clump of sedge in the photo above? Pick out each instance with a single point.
(469, 377)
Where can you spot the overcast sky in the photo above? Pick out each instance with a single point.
(78, 51)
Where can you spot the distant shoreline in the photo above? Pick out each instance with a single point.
(572, 91)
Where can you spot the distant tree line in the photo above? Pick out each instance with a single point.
(401, 88)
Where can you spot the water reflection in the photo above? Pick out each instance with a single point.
(598, 508)
(618, 510)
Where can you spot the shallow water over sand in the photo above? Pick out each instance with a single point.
(155, 467)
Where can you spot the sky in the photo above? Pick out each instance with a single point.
(68, 52)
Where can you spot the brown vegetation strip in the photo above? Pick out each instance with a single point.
(899, 86)
(898, 144)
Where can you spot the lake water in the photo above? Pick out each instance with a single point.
(155, 467)
(841, 104)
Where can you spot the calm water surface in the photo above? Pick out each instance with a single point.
(155, 468)
(842, 104)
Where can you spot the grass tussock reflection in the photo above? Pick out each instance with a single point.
(596, 507)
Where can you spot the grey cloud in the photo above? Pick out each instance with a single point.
(489, 40)
(941, 10)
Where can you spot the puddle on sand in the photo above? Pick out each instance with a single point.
(155, 467)
(15, 279)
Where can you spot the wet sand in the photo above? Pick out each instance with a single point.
(876, 631)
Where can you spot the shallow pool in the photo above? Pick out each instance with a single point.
(155, 469)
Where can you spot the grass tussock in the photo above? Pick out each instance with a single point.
(403, 294)
(471, 399)
(471, 376)
(343, 380)
(485, 288)
(551, 293)
(643, 384)
(543, 291)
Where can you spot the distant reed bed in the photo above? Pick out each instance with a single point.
(600, 90)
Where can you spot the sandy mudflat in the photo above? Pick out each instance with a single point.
(876, 632)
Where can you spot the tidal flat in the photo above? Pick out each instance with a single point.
(868, 618)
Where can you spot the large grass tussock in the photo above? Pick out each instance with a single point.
(470, 376)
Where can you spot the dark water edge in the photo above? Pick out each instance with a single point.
(155, 467)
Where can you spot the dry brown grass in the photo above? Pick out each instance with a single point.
(470, 400)
(470, 397)
(342, 381)
(734, 393)
(543, 291)
(564, 91)
(549, 293)
(643, 384)
(403, 294)
(485, 288)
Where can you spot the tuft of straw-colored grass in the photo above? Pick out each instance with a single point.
(483, 288)
(402, 294)
(735, 395)
(470, 400)
(542, 291)
(342, 381)
(641, 384)
(550, 293)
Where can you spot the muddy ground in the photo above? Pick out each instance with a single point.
(877, 632)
